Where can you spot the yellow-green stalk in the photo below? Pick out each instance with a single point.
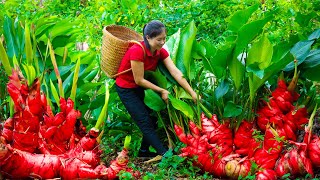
(55, 93)
(28, 45)
(104, 110)
(127, 141)
(56, 70)
(74, 83)
(5, 60)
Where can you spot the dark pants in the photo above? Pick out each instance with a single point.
(132, 98)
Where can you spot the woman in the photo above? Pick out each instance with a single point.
(130, 86)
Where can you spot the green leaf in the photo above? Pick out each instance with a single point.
(232, 110)
(182, 106)
(153, 100)
(63, 28)
(241, 17)
(5, 60)
(260, 53)
(55, 93)
(87, 87)
(300, 51)
(185, 46)
(217, 63)
(246, 34)
(312, 73)
(9, 35)
(222, 89)
(28, 46)
(314, 35)
(304, 19)
(312, 60)
(157, 78)
(173, 45)
(254, 68)
(278, 64)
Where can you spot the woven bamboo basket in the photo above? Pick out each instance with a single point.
(115, 42)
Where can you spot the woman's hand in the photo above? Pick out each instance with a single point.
(164, 95)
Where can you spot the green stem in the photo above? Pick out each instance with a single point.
(164, 126)
(310, 124)
(104, 110)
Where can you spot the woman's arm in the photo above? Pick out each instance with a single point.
(138, 75)
(178, 76)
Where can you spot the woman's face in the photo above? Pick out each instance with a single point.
(157, 42)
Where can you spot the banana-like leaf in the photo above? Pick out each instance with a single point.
(8, 28)
(182, 106)
(246, 34)
(173, 45)
(260, 53)
(300, 51)
(312, 60)
(218, 62)
(153, 100)
(232, 110)
(185, 47)
(157, 78)
(209, 52)
(255, 82)
(222, 89)
(314, 35)
(241, 17)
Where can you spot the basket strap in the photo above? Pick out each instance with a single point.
(144, 57)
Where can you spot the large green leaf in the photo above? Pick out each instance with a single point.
(312, 60)
(9, 34)
(185, 46)
(217, 63)
(241, 17)
(211, 52)
(312, 73)
(314, 35)
(64, 27)
(222, 89)
(232, 110)
(157, 78)
(153, 100)
(300, 51)
(28, 47)
(87, 87)
(173, 45)
(260, 53)
(182, 106)
(255, 82)
(246, 34)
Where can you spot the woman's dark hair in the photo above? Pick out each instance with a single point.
(152, 29)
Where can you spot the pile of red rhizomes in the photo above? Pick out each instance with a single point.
(35, 143)
(266, 147)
